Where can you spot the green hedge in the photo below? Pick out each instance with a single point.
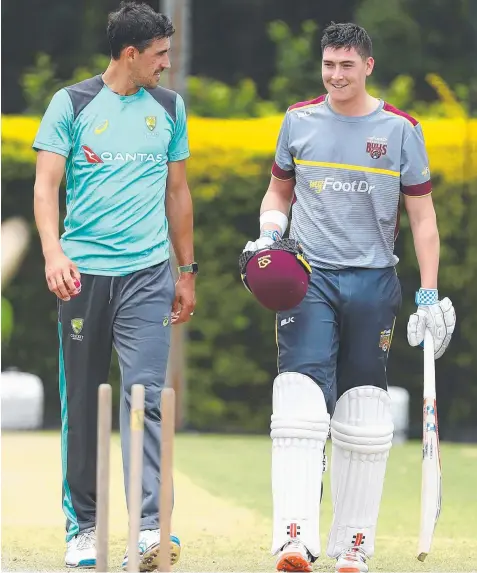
(231, 351)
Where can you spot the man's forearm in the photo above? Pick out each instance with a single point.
(46, 209)
(277, 200)
(181, 225)
(427, 246)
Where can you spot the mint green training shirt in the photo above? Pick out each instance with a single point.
(117, 150)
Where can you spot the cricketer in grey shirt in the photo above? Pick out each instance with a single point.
(349, 174)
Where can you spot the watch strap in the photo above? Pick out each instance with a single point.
(192, 268)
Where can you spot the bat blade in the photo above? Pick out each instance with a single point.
(431, 484)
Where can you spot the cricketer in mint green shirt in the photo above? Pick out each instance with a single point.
(117, 150)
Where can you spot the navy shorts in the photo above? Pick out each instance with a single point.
(340, 334)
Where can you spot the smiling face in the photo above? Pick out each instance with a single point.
(146, 67)
(344, 72)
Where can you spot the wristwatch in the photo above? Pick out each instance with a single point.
(193, 268)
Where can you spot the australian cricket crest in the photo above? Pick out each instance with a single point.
(77, 326)
(376, 147)
(385, 339)
(151, 122)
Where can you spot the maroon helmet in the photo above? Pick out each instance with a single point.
(277, 276)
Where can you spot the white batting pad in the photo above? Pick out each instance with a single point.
(361, 433)
(299, 429)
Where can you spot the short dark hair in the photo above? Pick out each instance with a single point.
(348, 36)
(136, 24)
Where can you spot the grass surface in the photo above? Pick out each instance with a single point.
(223, 507)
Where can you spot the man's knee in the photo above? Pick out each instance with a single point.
(359, 375)
(325, 383)
(152, 392)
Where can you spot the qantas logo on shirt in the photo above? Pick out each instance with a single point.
(107, 156)
(90, 155)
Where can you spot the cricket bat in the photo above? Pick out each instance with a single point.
(431, 485)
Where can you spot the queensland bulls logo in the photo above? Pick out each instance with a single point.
(377, 147)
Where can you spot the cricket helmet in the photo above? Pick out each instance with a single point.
(277, 276)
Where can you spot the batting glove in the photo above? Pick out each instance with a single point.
(266, 239)
(438, 316)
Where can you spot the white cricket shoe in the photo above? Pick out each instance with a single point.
(294, 557)
(352, 560)
(148, 547)
(81, 551)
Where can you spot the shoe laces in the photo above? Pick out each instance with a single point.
(146, 537)
(86, 540)
(293, 543)
(300, 546)
(354, 554)
(148, 534)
